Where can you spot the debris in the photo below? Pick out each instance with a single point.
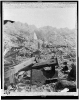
(72, 73)
(61, 84)
(65, 68)
(37, 77)
(65, 90)
(21, 73)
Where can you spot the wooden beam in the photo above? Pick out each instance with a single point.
(18, 67)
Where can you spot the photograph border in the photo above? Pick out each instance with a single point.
(39, 2)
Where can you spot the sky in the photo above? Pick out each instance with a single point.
(59, 16)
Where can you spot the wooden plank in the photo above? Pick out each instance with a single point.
(24, 64)
(18, 67)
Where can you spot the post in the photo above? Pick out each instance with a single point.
(31, 79)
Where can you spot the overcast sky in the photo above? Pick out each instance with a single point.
(59, 16)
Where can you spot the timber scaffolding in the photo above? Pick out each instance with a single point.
(28, 65)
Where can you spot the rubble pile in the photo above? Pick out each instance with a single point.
(38, 81)
(52, 68)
